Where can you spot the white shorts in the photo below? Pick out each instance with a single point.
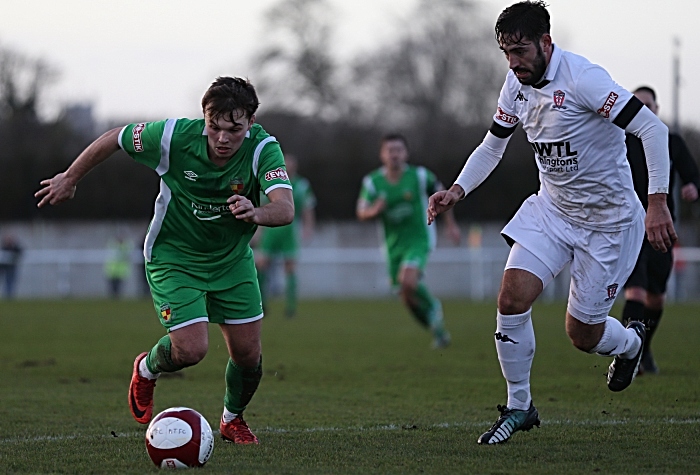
(600, 261)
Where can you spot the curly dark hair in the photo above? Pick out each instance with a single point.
(523, 20)
(226, 95)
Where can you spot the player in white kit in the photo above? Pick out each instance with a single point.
(585, 214)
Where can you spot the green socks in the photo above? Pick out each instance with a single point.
(241, 384)
(159, 359)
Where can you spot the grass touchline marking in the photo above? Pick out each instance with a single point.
(378, 428)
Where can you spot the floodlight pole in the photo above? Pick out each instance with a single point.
(676, 85)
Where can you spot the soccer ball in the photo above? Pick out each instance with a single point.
(179, 437)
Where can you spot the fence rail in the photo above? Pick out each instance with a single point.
(323, 272)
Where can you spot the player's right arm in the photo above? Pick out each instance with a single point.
(484, 158)
(370, 204)
(62, 187)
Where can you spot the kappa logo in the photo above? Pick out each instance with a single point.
(504, 117)
(521, 97)
(609, 103)
(612, 292)
(276, 174)
(136, 137)
(190, 175)
(504, 338)
(559, 97)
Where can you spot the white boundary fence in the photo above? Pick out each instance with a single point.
(340, 272)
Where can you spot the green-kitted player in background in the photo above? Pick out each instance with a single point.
(283, 242)
(199, 263)
(397, 194)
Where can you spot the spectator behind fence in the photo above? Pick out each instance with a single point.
(9, 260)
(118, 265)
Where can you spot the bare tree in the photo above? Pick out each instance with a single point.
(23, 80)
(296, 67)
(443, 66)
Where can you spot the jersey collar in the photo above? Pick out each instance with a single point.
(552, 68)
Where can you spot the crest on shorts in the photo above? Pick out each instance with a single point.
(236, 185)
(165, 312)
(612, 292)
(559, 97)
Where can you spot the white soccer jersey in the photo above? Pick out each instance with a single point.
(574, 123)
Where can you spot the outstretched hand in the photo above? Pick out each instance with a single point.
(442, 201)
(55, 190)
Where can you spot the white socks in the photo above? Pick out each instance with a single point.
(515, 344)
(228, 416)
(143, 370)
(617, 340)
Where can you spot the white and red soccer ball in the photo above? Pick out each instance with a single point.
(179, 437)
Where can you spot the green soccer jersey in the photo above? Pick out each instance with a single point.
(404, 217)
(285, 239)
(192, 226)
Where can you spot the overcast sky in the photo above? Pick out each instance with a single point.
(137, 59)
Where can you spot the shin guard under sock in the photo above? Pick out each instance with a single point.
(515, 345)
(159, 359)
(241, 384)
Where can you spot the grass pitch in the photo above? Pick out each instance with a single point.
(349, 387)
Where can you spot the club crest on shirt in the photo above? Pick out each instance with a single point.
(407, 195)
(559, 97)
(237, 185)
(612, 292)
(165, 312)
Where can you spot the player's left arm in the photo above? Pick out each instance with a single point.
(274, 181)
(654, 135)
(597, 90)
(687, 168)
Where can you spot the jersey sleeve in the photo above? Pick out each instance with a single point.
(432, 184)
(142, 142)
(272, 173)
(310, 197)
(506, 119)
(598, 92)
(368, 192)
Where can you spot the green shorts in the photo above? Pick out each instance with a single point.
(416, 257)
(228, 295)
(282, 241)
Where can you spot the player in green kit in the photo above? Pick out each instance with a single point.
(199, 263)
(283, 242)
(397, 193)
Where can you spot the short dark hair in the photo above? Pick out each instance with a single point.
(527, 19)
(391, 136)
(227, 95)
(647, 89)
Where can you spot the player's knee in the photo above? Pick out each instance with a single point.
(190, 355)
(655, 301)
(510, 304)
(247, 356)
(584, 337)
